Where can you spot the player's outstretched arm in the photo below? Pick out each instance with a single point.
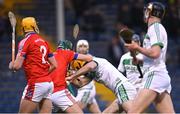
(85, 69)
(17, 64)
(86, 57)
(53, 63)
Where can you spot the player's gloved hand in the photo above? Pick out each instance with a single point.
(70, 78)
(133, 46)
(135, 61)
(11, 65)
(70, 72)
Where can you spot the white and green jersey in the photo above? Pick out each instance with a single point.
(107, 74)
(126, 65)
(156, 35)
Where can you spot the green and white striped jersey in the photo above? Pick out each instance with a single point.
(126, 65)
(156, 35)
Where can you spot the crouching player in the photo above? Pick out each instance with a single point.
(108, 75)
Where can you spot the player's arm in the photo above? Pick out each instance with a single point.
(17, 64)
(156, 40)
(51, 59)
(22, 50)
(85, 69)
(153, 52)
(84, 57)
(81, 81)
(53, 63)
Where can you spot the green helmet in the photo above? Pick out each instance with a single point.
(65, 44)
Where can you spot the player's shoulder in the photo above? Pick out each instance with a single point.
(64, 52)
(67, 51)
(126, 55)
(97, 58)
(23, 41)
(38, 40)
(155, 26)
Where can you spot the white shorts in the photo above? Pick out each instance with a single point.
(138, 84)
(38, 91)
(87, 95)
(157, 80)
(125, 91)
(63, 99)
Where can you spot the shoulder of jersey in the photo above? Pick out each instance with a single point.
(126, 55)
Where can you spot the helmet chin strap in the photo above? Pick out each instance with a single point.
(35, 29)
(148, 20)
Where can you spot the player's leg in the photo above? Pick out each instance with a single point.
(93, 106)
(83, 98)
(74, 109)
(143, 99)
(81, 104)
(126, 93)
(163, 103)
(45, 106)
(114, 107)
(27, 106)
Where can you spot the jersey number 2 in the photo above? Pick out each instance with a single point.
(43, 50)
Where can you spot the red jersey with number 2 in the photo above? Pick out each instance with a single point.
(35, 51)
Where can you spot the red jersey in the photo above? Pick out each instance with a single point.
(63, 58)
(36, 51)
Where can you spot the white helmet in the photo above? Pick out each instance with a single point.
(82, 46)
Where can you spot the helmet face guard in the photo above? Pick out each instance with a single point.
(147, 12)
(155, 9)
(82, 46)
(29, 24)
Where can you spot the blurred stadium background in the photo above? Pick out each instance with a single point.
(99, 21)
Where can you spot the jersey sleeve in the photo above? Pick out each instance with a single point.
(97, 63)
(94, 59)
(121, 66)
(49, 52)
(155, 35)
(23, 48)
(71, 55)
